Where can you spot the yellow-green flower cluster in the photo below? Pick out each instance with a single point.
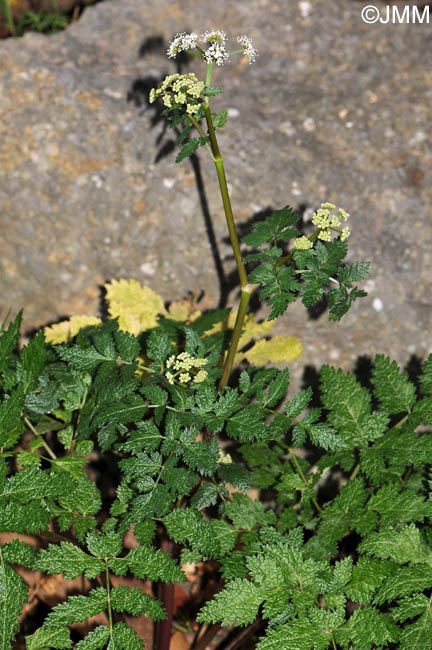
(185, 369)
(181, 90)
(302, 243)
(328, 220)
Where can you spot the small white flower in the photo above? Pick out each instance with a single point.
(216, 53)
(249, 51)
(214, 36)
(182, 42)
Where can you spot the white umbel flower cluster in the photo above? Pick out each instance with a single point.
(181, 43)
(215, 46)
(184, 368)
(216, 51)
(249, 51)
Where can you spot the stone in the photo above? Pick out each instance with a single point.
(334, 110)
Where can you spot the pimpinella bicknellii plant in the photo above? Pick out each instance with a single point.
(132, 455)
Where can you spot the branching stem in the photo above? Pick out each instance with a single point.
(299, 471)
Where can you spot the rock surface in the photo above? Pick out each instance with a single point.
(334, 109)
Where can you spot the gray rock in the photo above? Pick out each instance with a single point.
(333, 110)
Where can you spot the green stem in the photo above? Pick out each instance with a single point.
(209, 74)
(246, 288)
(5, 7)
(108, 591)
(302, 476)
(355, 471)
(35, 433)
(220, 170)
(245, 297)
(198, 126)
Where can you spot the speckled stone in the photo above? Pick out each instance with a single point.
(333, 110)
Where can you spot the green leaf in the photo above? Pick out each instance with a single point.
(24, 518)
(43, 638)
(344, 513)
(350, 408)
(368, 575)
(397, 507)
(86, 359)
(11, 424)
(211, 91)
(95, 640)
(146, 437)
(13, 595)
(235, 474)
(104, 545)
(404, 581)
(279, 286)
(219, 119)
(340, 301)
(18, 552)
(125, 638)
(9, 340)
(70, 560)
(245, 513)
(401, 545)
(418, 636)
(190, 148)
(248, 424)
(158, 347)
(298, 403)
(365, 627)
(410, 607)
(133, 601)
(205, 496)
(237, 604)
(426, 376)
(200, 456)
(353, 272)
(77, 608)
(278, 226)
(298, 635)
(32, 361)
(276, 389)
(392, 388)
(148, 563)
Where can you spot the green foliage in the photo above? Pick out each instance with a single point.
(47, 22)
(308, 274)
(281, 557)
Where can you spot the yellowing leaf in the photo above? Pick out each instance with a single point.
(253, 330)
(136, 307)
(183, 311)
(65, 331)
(279, 349)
